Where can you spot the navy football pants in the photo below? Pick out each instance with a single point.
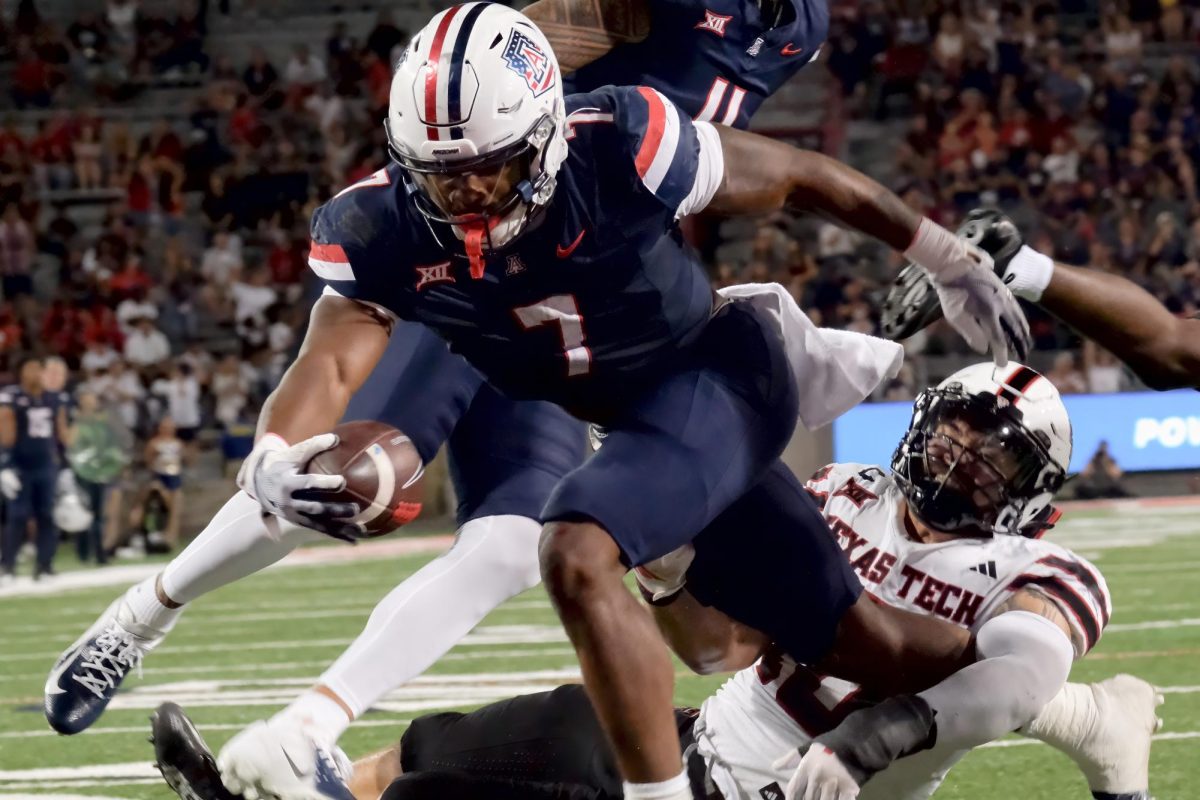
(36, 499)
(682, 451)
(505, 455)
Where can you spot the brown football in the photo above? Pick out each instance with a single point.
(383, 474)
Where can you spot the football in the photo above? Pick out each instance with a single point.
(383, 474)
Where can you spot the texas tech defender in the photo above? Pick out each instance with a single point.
(1161, 348)
(954, 532)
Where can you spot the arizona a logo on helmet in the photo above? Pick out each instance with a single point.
(525, 58)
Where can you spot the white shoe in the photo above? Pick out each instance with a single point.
(283, 759)
(1114, 753)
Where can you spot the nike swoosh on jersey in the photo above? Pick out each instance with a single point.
(790, 50)
(564, 252)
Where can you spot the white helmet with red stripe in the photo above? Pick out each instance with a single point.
(985, 451)
(477, 121)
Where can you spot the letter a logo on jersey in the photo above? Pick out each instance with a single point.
(433, 274)
(714, 23)
(525, 58)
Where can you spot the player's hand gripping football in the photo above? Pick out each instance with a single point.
(273, 474)
(819, 775)
(976, 302)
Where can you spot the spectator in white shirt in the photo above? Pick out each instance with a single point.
(146, 345)
(304, 70)
(99, 357)
(134, 308)
(181, 391)
(222, 261)
(252, 297)
(231, 388)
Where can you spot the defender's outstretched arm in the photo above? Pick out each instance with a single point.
(1125, 319)
(761, 175)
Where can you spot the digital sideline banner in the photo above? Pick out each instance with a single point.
(1144, 430)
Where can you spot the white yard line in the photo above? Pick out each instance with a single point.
(142, 730)
(487, 635)
(1152, 625)
(1158, 737)
(127, 574)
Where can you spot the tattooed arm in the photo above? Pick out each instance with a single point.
(1035, 602)
(581, 31)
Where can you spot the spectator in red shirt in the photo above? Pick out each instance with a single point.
(100, 326)
(286, 259)
(11, 141)
(17, 244)
(131, 278)
(31, 78)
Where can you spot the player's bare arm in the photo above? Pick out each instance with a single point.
(706, 639)
(345, 340)
(8, 427)
(1163, 349)
(761, 175)
(581, 31)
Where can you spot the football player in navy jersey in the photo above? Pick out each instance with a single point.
(33, 423)
(717, 60)
(505, 456)
(1161, 348)
(538, 237)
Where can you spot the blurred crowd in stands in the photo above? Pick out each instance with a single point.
(163, 254)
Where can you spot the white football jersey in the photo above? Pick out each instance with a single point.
(766, 710)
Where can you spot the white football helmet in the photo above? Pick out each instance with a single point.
(985, 451)
(477, 121)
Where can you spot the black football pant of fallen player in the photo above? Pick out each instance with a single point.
(545, 746)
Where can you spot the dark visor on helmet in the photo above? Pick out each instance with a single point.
(966, 458)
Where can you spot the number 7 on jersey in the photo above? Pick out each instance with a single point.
(563, 311)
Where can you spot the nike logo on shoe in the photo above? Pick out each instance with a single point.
(791, 50)
(565, 252)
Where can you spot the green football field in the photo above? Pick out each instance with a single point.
(243, 652)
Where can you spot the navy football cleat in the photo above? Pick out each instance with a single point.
(87, 676)
(912, 303)
(183, 757)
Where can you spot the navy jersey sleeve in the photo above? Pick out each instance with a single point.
(660, 142)
(355, 242)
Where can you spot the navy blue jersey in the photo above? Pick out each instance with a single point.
(37, 445)
(718, 60)
(579, 308)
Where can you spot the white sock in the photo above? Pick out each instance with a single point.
(313, 709)
(144, 609)
(239, 541)
(678, 788)
(1029, 273)
(493, 559)
(1066, 720)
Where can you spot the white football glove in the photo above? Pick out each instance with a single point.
(272, 475)
(974, 299)
(279, 758)
(664, 577)
(10, 483)
(818, 775)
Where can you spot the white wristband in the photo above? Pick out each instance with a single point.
(1029, 273)
(941, 253)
